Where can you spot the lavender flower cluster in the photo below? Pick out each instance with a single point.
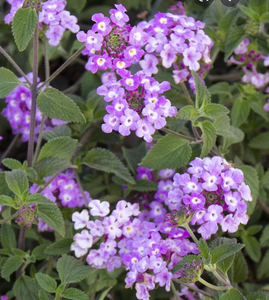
(215, 192)
(248, 59)
(53, 18)
(64, 191)
(18, 111)
(137, 100)
(147, 250)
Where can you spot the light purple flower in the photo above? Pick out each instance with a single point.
(191, 57)
(99, 208)
(80, 219)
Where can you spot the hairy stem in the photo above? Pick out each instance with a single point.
(174, 290)
(63, 66)
(15, 65)
(187, 93)
(81, 187)
(9, 218)
(39, 141)
(187, 227)
(214, 287)
(192, 287)
(189, 138)
(34, 93)
(10, 147)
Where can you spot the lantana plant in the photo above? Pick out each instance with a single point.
(134, 140)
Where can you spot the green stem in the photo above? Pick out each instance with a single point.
(15, 65)
(189, 138)
(192, 287)
(63, 66)
(187, 93)
(220, 10)
(223, 280)
(39, 141)
(187, 227)
(9, 218)
(81, 188)
(174, 290)
(213, 287)
(34, 93)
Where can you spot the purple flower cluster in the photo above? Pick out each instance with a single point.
(215, 192)
(53, 18)
(27, 216)
(64, 191)
(137, 105)
(177, 41)
(4, 297)
(148, 251)
(18, 112)
(248, 59)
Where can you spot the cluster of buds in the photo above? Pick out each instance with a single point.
(191, 272)
(37, 4)
(27, 216)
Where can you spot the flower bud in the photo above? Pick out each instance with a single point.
(191, 272)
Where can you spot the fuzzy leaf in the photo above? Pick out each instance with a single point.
(224, 251)
(59, 247)
(202, 94)
(220, 88)
(208, 137)
(55, 104)
(263, 269)
(261, 141)
(51, 166)
(253, 247)
(11, 265)
(103, 294)
(104, 160)
(240, 112)
(6, 201)
(25, 288)
(169, 152)
(234, 38)
(249, 12)
(17, 182)
(8, 239)
(204, 250)
(264, 239)
(188, 113)
(214, 110)
(144, 186)
(240, 267)
(61, 147)
(74, 294)
(47, 283)
(232, 294)
(52, 215)
(44, 295)
(58, 131)
(23, 26)
(72, 270)
(8, 82)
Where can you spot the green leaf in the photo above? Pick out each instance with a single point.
(44, 295)
(39, 252)
(261, 141)
(61, 147)
(47, 283)
(228, 20)
(249, 12)
(253, 247)
(204, 250)
(17, 182)
(169, 152)
(77, 6)
(240, 112)
(4, 190)
(8, 82)
(25, 288)
(6, 201)
(254, 229)
(188, 113)
(265, 17)
(71, 270)
(104, 160)
(144, 186)
(60, 247)
(256, 104)
(8, 239)
(240, 266)
(260, 6)
(12, 163)
(236, 136)
(58, 131)
(224, 251)
(51, 166)
(75, 294)
(234, 38)
(23, 26)
(220, 88)
(134, 156)
(185, 260)
(232, 294)
(263, 269)
(251, 178)
(213, 111)
(11, 265)
(208, 137)
(51, 214)
(103, 294)
(55, 104)
(202, 94)
(264, 239)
